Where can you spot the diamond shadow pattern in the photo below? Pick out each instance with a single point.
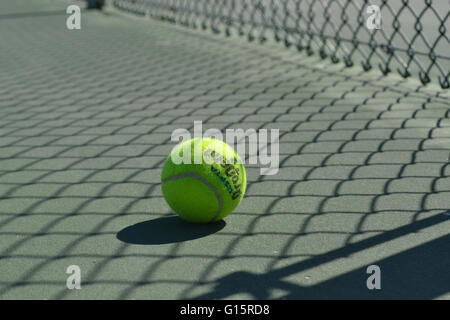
(85, 124)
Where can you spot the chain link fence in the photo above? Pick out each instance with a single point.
(364, 167)
(409, 37)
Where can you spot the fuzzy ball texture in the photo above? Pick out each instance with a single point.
(203, 180)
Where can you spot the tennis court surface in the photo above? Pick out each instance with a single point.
(86, 118)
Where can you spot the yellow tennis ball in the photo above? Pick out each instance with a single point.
(203, 180)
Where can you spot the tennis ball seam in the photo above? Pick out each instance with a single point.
(204, 181)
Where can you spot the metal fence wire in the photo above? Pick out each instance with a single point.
(364, 171)
(406, 36)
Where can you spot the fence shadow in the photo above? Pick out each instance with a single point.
(36, 14)
(417, 273)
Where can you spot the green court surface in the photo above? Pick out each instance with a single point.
(86, 118)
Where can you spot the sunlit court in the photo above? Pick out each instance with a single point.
(224, 150)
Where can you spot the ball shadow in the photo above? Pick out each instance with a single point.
(167, 230)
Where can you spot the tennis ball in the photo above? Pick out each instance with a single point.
(203, 180)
